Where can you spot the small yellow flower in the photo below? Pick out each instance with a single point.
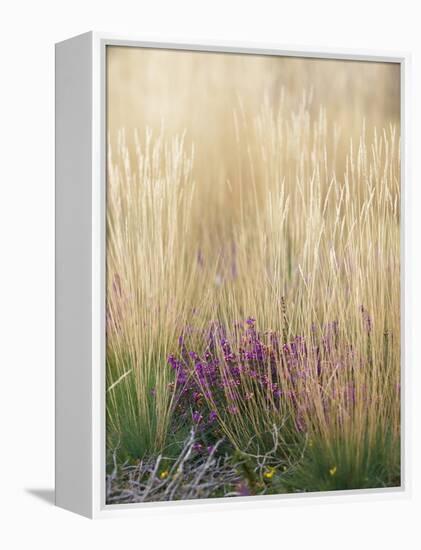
(332, 471)
(164, 474)
(270, 472)
(310, 443)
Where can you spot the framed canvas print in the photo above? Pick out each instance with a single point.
(229, 274)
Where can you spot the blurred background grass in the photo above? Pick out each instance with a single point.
(211, 98)
(196, 92)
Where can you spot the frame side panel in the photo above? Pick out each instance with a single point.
(73, 359)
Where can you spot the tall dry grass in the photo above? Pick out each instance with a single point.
(292, 218)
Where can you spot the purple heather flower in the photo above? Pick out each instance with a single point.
(233, 409)
(197, 417)
(251, 359)
(172, 361)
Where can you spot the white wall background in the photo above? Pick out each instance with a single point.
(28, 30)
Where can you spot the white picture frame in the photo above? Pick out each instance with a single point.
(80, 272)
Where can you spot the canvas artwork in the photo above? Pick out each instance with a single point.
(252, 275)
